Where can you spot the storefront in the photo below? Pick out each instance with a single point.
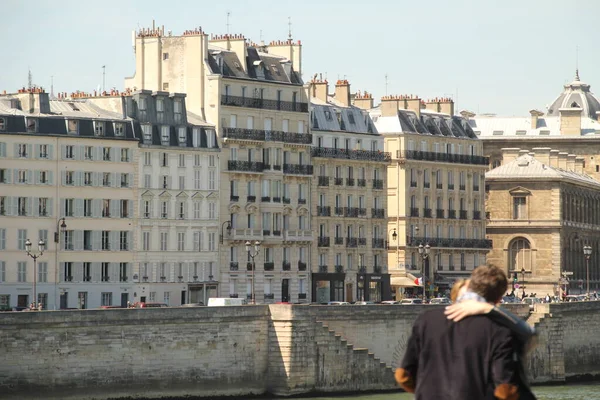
(373, 287)
(328, 287)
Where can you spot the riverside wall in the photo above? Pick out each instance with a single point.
(238, 351)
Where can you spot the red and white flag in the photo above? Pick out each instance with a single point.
(419, 281)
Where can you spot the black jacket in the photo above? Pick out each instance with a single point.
(460, 360)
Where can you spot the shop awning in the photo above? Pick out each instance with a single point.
(402, 281)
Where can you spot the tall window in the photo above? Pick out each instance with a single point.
(520, 255)
(519, 208)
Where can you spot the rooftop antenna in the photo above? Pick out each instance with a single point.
(577, 62)
(228, 14)
(386, 84)
(51, 86)
(104, 78)
(290, 28)
(30, 79)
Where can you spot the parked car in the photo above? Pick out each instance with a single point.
(575, 297)
(440, 300)
(510, 300)
(338, 303)
(151, 305)
(363, 303)
(390, 302)
(109, 307)
(226, 301)
(201, 304)
(411, 301)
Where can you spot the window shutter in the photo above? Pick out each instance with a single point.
(81, 153)
(30, 177)
(79, 207)
(2, 149)
(37, 151)
(63, 178)
(49, 207)
(116, 179)
(96, 272)
(113, 272)
(96, 208)
(62, 207)
(50, 155)
(129, 180)
(8, 206)
(36, 177)
(30, 206)
(50, 176)
(29, 151)
(63, 152)
(36, 207)
(96, 244)
(114, 208)
(8, 176)
(16, 176)
(130, 211)
(16, 153)
(94, 179)
(78, 240)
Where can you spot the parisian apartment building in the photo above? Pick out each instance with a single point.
(349, 199)
(435, 193)
(97, 178)
(255, 97)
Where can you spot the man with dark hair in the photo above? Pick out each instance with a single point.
(470, 359)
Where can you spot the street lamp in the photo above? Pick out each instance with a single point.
(253, 254)
(424, 253)
(61, 226)
(394, 236)
(228, 223)
(587, 251)
(523, 282)
(41, 248)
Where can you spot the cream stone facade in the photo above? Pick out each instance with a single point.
(349, 262)
(65, 161)
(255, 97)
(541, 212)
(435, 190)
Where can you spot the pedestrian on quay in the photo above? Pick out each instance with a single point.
(470, 359)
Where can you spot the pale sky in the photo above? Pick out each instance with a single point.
(500, 56)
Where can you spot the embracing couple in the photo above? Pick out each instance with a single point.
(452, 357)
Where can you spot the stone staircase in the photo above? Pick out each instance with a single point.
(342, 365)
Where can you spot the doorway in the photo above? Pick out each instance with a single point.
(143, 299)
(183, 297)
(124, 300)
(23, 300)
(82, 300)
(64, 300)
(349, 293)
(285, 290)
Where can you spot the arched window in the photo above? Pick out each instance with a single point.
(520, 255)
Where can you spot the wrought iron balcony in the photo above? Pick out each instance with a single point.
(301, 296)
(269, 266)
(349, 182)
(457, 243)
(351, 242)
(451, 214)
(339, 240)
(269, 136)
(377, 244)
(234, 198)
(439, 185)
(265, 199)
(377, 269)
(445, 157)
(300, 235)
(338, 181)
(245, 166)
(265, 104)
(266, 166)
(377, 213)
(324, 211)
(427, 212)
(276, 233)
(323, 241)
(361, 182)
(323, 269)
(233, 295)
(413, 183)
(251, 199)
(463, 214)
(362, 241)
(249, 266)
(462, 187)
(426, 185)
(451, 186)
(323, 181)
(439, 213)
(266, 232)
(269, 296)
(339, 211)
(351, 212)
(378, 184)
(276, 199)
(286, 266)
(234, 266)
(339, 269)
(476, 188)
(244, 134)
(362, 212)
(301, 266)
(301, 201)
(476, 214)
(297, 169)
(362, 269)
(365, 155)
(286, 200)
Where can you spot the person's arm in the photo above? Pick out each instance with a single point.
(406, 374)
(504, 365)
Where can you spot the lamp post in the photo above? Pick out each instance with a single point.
(41, 248)
(61, 226)
(587, 251)
(228, 223)
(253, 254)
(523, 281)
(424, 253)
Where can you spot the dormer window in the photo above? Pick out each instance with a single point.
(182, 136)
(351, 118)
(160, 106)
(164, 135)
(497, 133)
(147, 133)
(99, 128)
(328, 115)
(177, 109)
(275, 70)
(237, 65)
(521, 132)
(210, 138)
(31, 125)
(2, 124)
(142, 103)
(119, 129)
(72, 126)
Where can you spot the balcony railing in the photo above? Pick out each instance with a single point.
(452, 214)
(463, 214)
(339, 269)
(427, 212)
(349, 182)
(377, 269)
(377, 244)
(339, 240)
(339, 211)
(301, 266)
(352, 242)
(323, 211)
(362, 241)
(269, 266)
(269, 136)
(361, 182)
(323, 181)
(476, 188)
(234, 266)
(439, 213)
(362, 212)
(297, 169)
(362, 269)
(476, 214)
(451, 186)
(245, 166)
(286, 266)
(249, 266)
(323, 269)
(439, 185)
(234, 198)
(338, 181)
(299, 235)
(323, 241)
(266, 104)
(366, 155)
(286, 200)
(445, 157)
(413, 184)
(301, 296)
(250, 199)
(461, 187)
(377, 213)
(457, 243)
(351, 212)
(426, 185)
(265, 199)
(378, 184)
(246, 234)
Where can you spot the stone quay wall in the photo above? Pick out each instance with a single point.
(239, 351)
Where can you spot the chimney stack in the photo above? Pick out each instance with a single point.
(554, 158)
(363, 100)
(318, 88)
(389, 106)
(562, 160)
(535, 115)
(342, 92)
(571, 162)
(509, 154)
(412, 103)
(542, 154)
(570, 120)
(579, 163)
